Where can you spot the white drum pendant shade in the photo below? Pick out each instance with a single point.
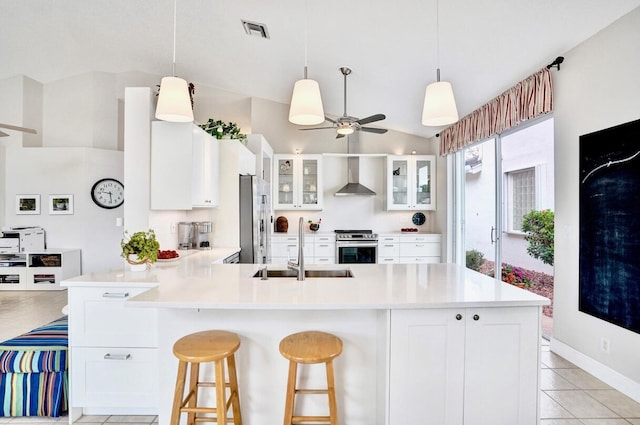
(439, 105)
(174, 102)
(306, 103)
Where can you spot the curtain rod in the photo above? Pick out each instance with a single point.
(556, 63)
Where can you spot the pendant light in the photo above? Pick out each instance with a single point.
(306, 102)
(174, 101)
(439, 104)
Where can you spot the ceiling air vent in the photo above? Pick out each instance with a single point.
(255, 29)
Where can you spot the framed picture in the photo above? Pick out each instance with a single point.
(60, 204)
(27, 204)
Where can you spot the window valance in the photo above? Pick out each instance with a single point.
(528, 99)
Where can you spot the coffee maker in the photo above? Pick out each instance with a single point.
(194, 235)
(202, 229)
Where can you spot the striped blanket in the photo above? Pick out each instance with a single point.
(33, 372)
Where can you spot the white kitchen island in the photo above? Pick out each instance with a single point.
(428, 344)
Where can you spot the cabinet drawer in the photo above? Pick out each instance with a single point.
(114, 377)
(388, 239)
(324, 250)
(100, 319)
(386, 249)
(420, 238)
(388, 260)
(279, 239)
(324, 239)
(419, 260)
(284, 250)
(324, 260)
(420, 249)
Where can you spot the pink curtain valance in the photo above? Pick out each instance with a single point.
(528, 99)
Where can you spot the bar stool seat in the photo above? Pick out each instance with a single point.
(310, 347)
(203, 347)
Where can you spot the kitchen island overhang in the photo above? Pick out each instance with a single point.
(374, 313)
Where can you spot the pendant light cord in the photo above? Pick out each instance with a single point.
(437, 42)
(306, 24)
(175, 8)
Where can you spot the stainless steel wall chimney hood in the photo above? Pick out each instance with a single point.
(353, 186)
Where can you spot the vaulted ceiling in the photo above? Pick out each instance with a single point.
(485, 46)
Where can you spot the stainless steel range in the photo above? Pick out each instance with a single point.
(356, 247)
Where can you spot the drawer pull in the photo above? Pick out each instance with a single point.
(323, 246)
(109, 356)
(115, 295)
(419, 245)
(389, 246)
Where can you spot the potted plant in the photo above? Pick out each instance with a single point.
(140, 249)
(221, 130)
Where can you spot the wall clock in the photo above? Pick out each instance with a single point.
(418, 219)
(108, 193)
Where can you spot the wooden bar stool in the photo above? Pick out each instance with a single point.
(201, 347)
(310, 347)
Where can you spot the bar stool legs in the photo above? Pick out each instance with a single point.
(310, 347)
(201, 347)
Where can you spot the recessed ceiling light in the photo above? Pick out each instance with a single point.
(255, 29)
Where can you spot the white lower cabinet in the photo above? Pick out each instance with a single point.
(319, 248)
(115, 377)
(113, 352)
(409, 248)
(472, 366)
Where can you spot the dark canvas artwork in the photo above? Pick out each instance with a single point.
(610, 225)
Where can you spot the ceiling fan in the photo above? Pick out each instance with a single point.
(14, 127)
(346, 124)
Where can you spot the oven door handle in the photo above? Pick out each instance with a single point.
(356, 245)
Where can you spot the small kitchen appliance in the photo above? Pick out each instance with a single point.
(356, 247)
(202, 230)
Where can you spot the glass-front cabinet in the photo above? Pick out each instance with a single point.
(298, 182)
(411, 182)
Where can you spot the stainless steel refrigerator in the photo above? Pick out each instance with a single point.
(255, 220)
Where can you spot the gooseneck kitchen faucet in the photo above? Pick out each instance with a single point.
(299, 266)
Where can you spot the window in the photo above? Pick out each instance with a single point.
(521, 196)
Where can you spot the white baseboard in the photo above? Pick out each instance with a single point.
(604, 373)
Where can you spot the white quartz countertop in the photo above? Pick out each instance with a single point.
(195, 281)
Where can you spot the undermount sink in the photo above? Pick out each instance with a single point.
(307, 273)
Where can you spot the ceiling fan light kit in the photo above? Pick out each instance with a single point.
(439, 103)
(174, 101)
(347, 124)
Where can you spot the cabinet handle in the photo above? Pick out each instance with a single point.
(389, 246)
(419, 245)
(476, 317)
(115, 295)
(323, 246)
(109, 356)
(458, 316)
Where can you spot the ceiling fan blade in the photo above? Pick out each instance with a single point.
(374, 130)
(3, 134)
(330, 119)
(314, 128)
(372, 118)
(14, 127)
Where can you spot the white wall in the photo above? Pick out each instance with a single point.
(48, 171)
(598, 87)
(21, 105)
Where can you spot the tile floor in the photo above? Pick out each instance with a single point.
(570, 396)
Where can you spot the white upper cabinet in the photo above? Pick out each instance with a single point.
(411, 182)
(171, 157)
(184, 167)
(205, 169)
(297, 182)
